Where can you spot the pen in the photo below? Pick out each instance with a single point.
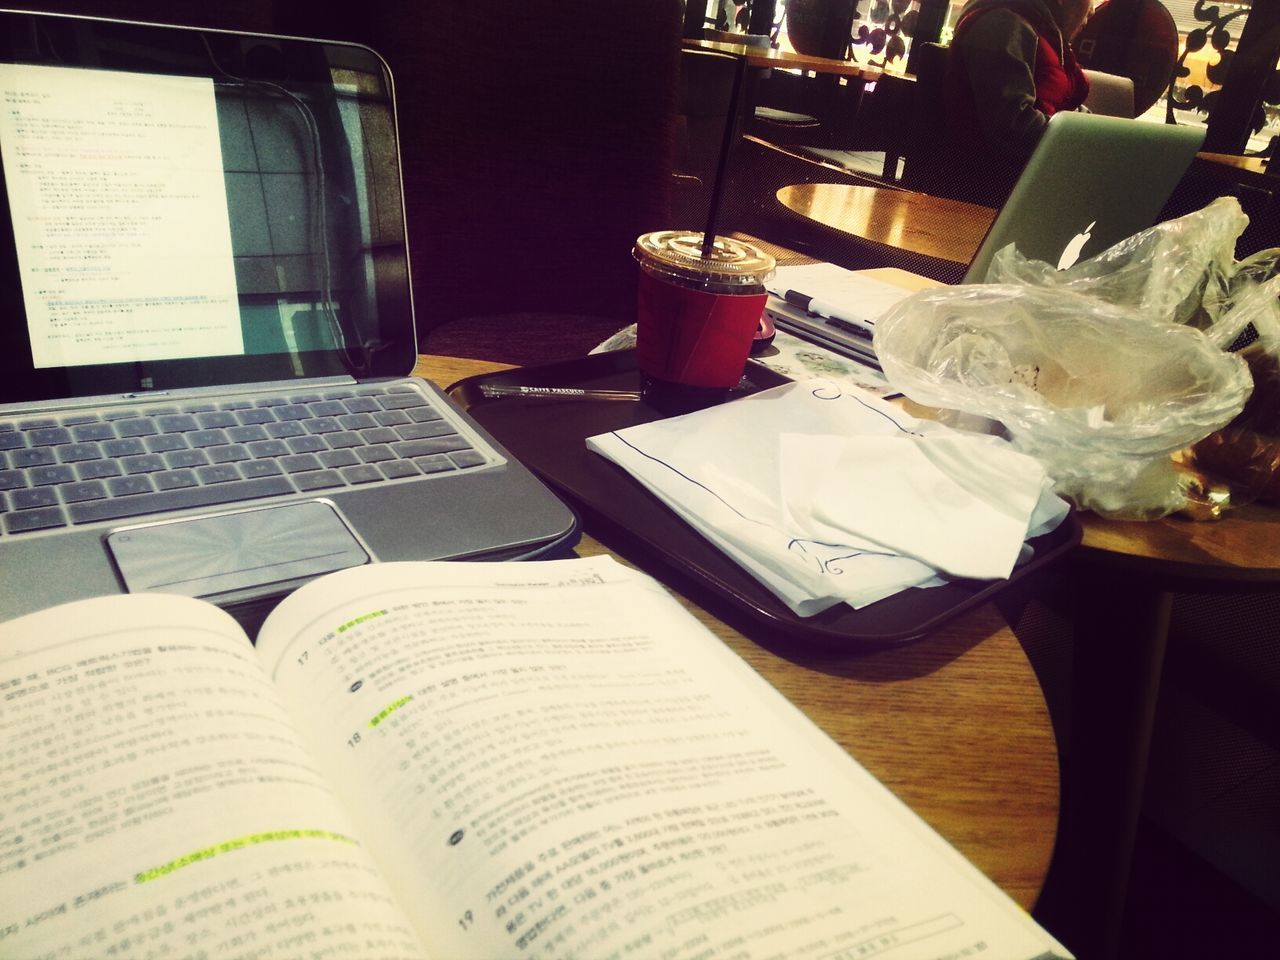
(820, 309)
(556, 393)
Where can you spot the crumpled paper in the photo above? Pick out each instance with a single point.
(827, 494)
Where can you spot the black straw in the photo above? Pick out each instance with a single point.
(726, 147)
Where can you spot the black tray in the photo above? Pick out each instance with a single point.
(548, 436)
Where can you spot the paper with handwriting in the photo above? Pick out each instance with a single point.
(827, 494)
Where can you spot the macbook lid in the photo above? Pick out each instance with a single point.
(1091, 182)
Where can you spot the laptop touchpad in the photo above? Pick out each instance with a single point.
(237, 555)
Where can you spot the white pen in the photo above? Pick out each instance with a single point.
(556, 393)
(841, 318)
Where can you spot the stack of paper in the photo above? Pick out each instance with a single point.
(827, 494)
(832, 306)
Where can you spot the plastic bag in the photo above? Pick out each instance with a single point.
(1246, 452)
(1250, 298)
(1181, 271)
(1097, 392)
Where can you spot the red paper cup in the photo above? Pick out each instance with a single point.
(696, 316)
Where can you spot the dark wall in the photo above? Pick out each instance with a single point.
(253, 15)
(537, 142)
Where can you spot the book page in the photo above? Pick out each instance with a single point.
(555, 759)
(155, 800)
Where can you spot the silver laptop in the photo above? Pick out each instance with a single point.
(1091, 182)
(204, 386)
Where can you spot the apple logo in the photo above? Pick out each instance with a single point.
(1071, 252)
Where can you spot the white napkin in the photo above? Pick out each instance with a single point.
(826, 494)
(960, 503)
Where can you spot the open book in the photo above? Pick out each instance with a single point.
(448, 760)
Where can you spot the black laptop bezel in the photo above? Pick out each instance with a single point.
(385, 345)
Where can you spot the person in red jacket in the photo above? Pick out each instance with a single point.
(1010, 68)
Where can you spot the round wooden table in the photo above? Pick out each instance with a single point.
(955, 725)
(903, 220)
(1240, 550)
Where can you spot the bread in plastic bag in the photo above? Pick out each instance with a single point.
(1097, 392)
(1246, 452)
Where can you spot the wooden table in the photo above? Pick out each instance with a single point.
(903, 220)
(1249, 164)
(1240, 550)
(766, 57)
(955, 725)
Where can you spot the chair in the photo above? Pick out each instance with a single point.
(921, 136)
(937, 159)
(1136, 39)
(799, 110)
(705, 93)
(902, 118)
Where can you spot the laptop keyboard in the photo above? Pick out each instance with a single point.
(111, 465)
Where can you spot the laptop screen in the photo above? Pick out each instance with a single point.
(1091, 182)
(189, 208)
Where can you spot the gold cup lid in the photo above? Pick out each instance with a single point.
(679, 253)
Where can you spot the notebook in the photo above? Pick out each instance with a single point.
(205, 384)
(832, 307)
(1091, 182)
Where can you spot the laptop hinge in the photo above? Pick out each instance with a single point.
(183, 393)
